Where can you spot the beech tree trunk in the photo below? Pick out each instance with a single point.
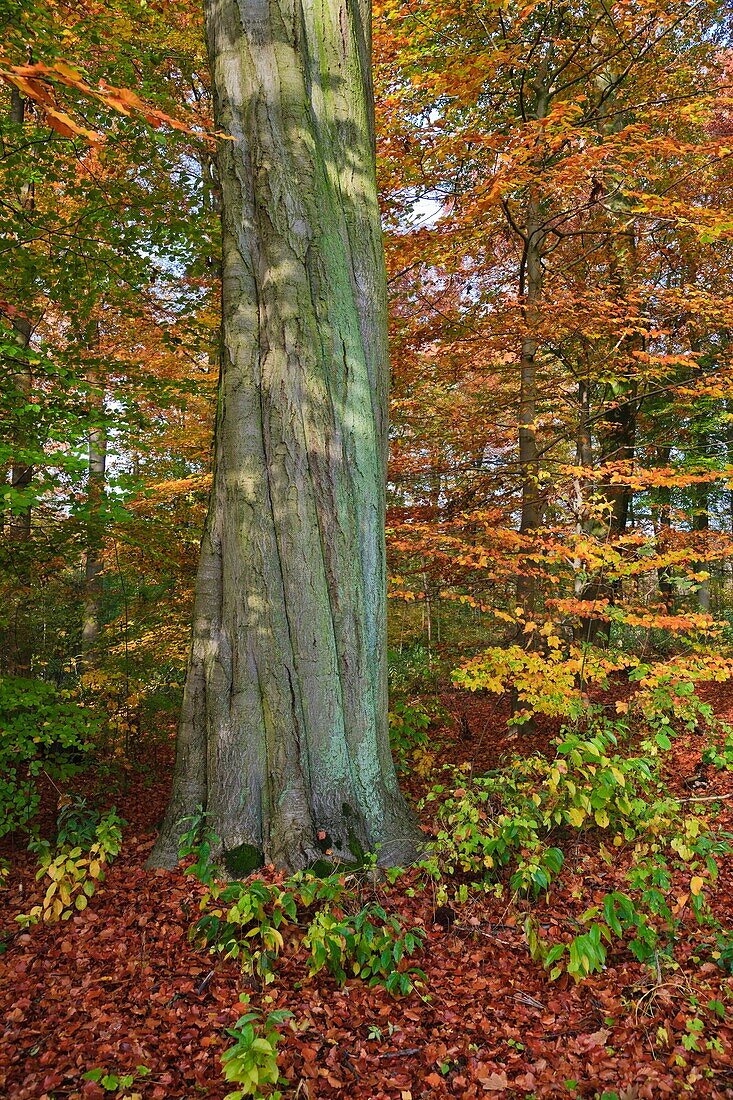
(283, 736)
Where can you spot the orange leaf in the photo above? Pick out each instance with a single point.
(65, 125)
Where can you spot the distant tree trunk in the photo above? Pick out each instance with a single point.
(283, 736)
(530, 289)
(590, 628)
(531, 517)
(18, 655)
(664, 531)
(701, 525)
(97, 452)
(531, 293)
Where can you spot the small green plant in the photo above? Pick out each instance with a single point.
(506, 818)
(244, 923)
(112, 1082)
(501, 827)
(720, 755)
(371, 951)
(76, 822)
(251, 1062)
(408, 730)
(198, 840)
(722, 952)
(647, 919)
(74, 872)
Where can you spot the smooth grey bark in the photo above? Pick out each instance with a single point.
(283, 736)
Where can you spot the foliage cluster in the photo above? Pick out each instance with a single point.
(517, 824)
(251, 1061)
(244, 921)
(46, 733)
(76, 865)
(339, 932)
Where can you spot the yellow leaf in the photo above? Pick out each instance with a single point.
(601, 818)
(696, 885)
(575, 816)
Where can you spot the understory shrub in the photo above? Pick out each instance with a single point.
(514, 826)
(243, 920)
(75, 866)
(409, 723)
(44, 732)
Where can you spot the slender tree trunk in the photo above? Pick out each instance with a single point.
(283, 736)
(590, 628)
(97, 451)
(701, 525)
(664, 531)
(531, 291)
(529, 464)
(18, 656)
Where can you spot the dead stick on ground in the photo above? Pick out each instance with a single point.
(707, 798)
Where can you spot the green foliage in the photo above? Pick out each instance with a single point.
(43, 731)
(648, 920)
(411, 671)
(244, 921)
(198, 840)
(371, 951)
(74, 871)
(720, 755)
(505, 822)
(506, 818)
(251, 1062)
(112, 1082)
(76, 823)
(723, 952)
(408, 730)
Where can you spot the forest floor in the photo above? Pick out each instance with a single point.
(120, 985)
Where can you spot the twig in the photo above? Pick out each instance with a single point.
(707, 798)
(204, 982)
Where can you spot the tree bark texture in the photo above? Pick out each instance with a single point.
(283, 737)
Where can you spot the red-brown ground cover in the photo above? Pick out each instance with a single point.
(120, 985)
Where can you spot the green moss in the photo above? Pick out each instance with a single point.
(242, 860)
(356, 849)
(322, 868)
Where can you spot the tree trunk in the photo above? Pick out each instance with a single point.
(530, 289)
(283, 736)
(18, 655)
(589, 629)
(97, 451)
(664, 531)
